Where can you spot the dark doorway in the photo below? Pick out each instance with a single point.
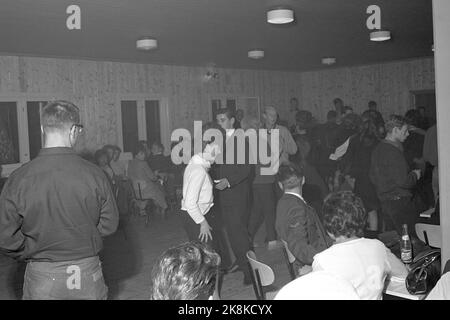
(152, 121)
(425, 99)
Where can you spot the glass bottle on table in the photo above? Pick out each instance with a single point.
(405, 246)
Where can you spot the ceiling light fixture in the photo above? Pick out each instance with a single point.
(432, 47)
(256, 54)
(328, 61)
(380, 35)
(146, 44)
(280, 16)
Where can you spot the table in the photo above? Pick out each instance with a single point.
(397, 287)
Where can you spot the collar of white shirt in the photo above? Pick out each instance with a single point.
(229, 132)
(297, 195)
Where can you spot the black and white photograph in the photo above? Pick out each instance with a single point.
(247, 151)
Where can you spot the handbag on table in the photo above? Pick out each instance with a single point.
(425, 271)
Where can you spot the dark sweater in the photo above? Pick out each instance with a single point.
(389, 172)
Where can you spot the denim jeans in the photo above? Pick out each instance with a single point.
(68, 280)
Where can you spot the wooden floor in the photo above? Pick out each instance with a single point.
(128, 258)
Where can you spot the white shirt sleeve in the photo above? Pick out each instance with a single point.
(394, 266)
(193, 190)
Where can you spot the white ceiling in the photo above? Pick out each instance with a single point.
(218, 32)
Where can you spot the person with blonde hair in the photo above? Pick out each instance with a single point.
(186, 272)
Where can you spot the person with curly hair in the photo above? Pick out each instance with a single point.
(186, 272)
(365, 263)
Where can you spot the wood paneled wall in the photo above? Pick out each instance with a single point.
(94, 86)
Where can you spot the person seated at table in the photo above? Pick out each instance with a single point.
(297, 223)
(365, 263)
(162, 167)
(318, 285)
(186, 272)
(157, 160)
(146, 183)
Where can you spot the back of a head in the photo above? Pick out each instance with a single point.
(59, 116)
(412, 117)
(185, 272)
(318, 285)
(394, 121)
(290, 176)
(344, 214)
(337, 100)
(331, 115)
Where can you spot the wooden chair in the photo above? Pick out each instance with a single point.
(290, 259)
(262, 275)
(138, 197)
(446, 267)
(430, 234)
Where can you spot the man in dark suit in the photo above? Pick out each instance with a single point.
(233, 181)
(297, 223)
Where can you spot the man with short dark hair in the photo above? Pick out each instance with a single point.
(233, 182)
(54, 212)
(297, 223)
(372, 106)
(391, 175)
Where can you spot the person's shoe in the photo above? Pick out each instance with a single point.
(274, 244)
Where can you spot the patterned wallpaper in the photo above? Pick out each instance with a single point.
(94, 86)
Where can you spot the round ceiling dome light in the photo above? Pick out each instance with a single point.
(280, 16)
(328, 61)
(146, 44)
(256, 54)
(380, 35)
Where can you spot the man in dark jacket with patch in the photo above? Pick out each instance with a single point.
(297, 223)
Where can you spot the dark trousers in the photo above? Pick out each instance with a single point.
(263, 209)
(218, 242)
(235, 216)
(69, 280)
(399, 212)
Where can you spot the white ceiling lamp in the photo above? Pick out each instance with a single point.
(432, 47)
(380, 35)
(256, 54)
(328, 61)
(146, 44)
(280, 16)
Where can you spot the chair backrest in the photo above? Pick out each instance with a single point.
(265, 272)
(446, 267)
(291, 257)
(430, 234)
